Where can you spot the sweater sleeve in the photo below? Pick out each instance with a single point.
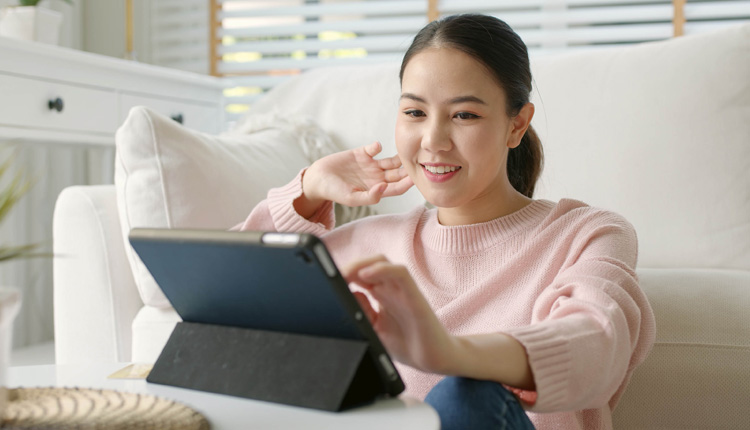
(592, 326)
(277, 213)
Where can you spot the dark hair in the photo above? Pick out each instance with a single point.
(493, 43)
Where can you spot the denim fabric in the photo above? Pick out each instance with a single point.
(464, 404)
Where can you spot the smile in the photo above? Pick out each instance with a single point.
(441, 169)
(440, 173)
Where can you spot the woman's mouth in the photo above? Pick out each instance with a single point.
(440, 173)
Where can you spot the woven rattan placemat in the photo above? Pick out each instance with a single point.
(81, 408)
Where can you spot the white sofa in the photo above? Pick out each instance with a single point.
(659, 132)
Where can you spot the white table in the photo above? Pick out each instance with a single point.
(226, 412)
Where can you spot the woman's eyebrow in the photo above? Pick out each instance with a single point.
(414, 97)
(466, 99)
(453, 101)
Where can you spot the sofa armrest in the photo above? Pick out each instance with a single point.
(95, 297)
(700, 359)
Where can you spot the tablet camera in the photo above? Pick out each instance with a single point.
(302, 255)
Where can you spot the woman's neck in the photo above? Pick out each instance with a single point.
(487, 210)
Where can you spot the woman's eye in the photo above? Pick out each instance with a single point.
(466, 115)
(414, 113)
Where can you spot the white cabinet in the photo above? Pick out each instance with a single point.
(63, 107)
(54, 94)
(43, 104)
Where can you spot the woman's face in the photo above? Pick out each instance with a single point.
(453, 131)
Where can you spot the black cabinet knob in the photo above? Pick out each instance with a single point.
(56, 104)
(178, 117)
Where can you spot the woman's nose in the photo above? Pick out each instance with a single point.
(436, 137)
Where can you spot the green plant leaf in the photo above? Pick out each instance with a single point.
(13, 252)
(34, 2)
(9, 196)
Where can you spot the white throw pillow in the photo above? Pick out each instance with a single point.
(168, 176)
(659, 132)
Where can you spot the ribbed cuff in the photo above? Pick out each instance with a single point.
(550, 359)
(286, 218)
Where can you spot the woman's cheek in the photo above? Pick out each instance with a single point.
(407, 140)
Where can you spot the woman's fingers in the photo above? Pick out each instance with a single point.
(390, 163)
(380, 190)
(381, 271)
(398, 188)
(376, 270)
(373, 149)
(376, 192)
(395, 175)
(364, 303)
(351, 272)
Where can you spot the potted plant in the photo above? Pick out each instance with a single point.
(10, 298)
(9, 196)
(31, 22)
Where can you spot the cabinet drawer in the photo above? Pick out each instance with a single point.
(26, 103)
(199, 117)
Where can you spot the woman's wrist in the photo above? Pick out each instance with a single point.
(492, 356)
(307, 204)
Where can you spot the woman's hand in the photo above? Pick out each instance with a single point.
(413, 335)
(404, 321)
(352, 178)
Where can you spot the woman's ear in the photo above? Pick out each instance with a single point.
(519, 124)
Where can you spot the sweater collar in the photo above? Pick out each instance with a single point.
(472, 238)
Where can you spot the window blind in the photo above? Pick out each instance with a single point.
(261, 43)
(552, 26)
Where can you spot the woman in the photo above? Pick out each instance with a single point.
(522, 303)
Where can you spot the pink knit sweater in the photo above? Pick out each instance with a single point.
(558, 277)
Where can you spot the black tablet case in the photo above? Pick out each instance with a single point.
(293, 358)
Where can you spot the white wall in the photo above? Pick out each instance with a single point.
(70, 33)
(103, 26)
(98, 26)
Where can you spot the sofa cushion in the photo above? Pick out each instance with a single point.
(168, 176)
(700, 359)
(659, 133)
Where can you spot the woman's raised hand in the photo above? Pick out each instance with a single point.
(352, 178)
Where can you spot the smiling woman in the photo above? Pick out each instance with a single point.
(508, 65)
(454, 134)
(493, 299)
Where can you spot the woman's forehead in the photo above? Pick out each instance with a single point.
(448, 73)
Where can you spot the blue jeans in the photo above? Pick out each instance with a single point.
(464, 403)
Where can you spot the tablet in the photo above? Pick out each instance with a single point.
(272, 281)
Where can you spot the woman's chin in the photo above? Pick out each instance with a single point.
(440, 198)
(440, 201)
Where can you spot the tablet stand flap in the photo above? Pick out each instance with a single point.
(309, 371)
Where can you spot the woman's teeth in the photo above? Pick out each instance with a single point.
(441, 169)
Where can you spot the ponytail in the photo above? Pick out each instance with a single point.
(525, 163)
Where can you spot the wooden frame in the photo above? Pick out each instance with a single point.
(129, 49)
(433, 12)
(678, 18)
(214, 39)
